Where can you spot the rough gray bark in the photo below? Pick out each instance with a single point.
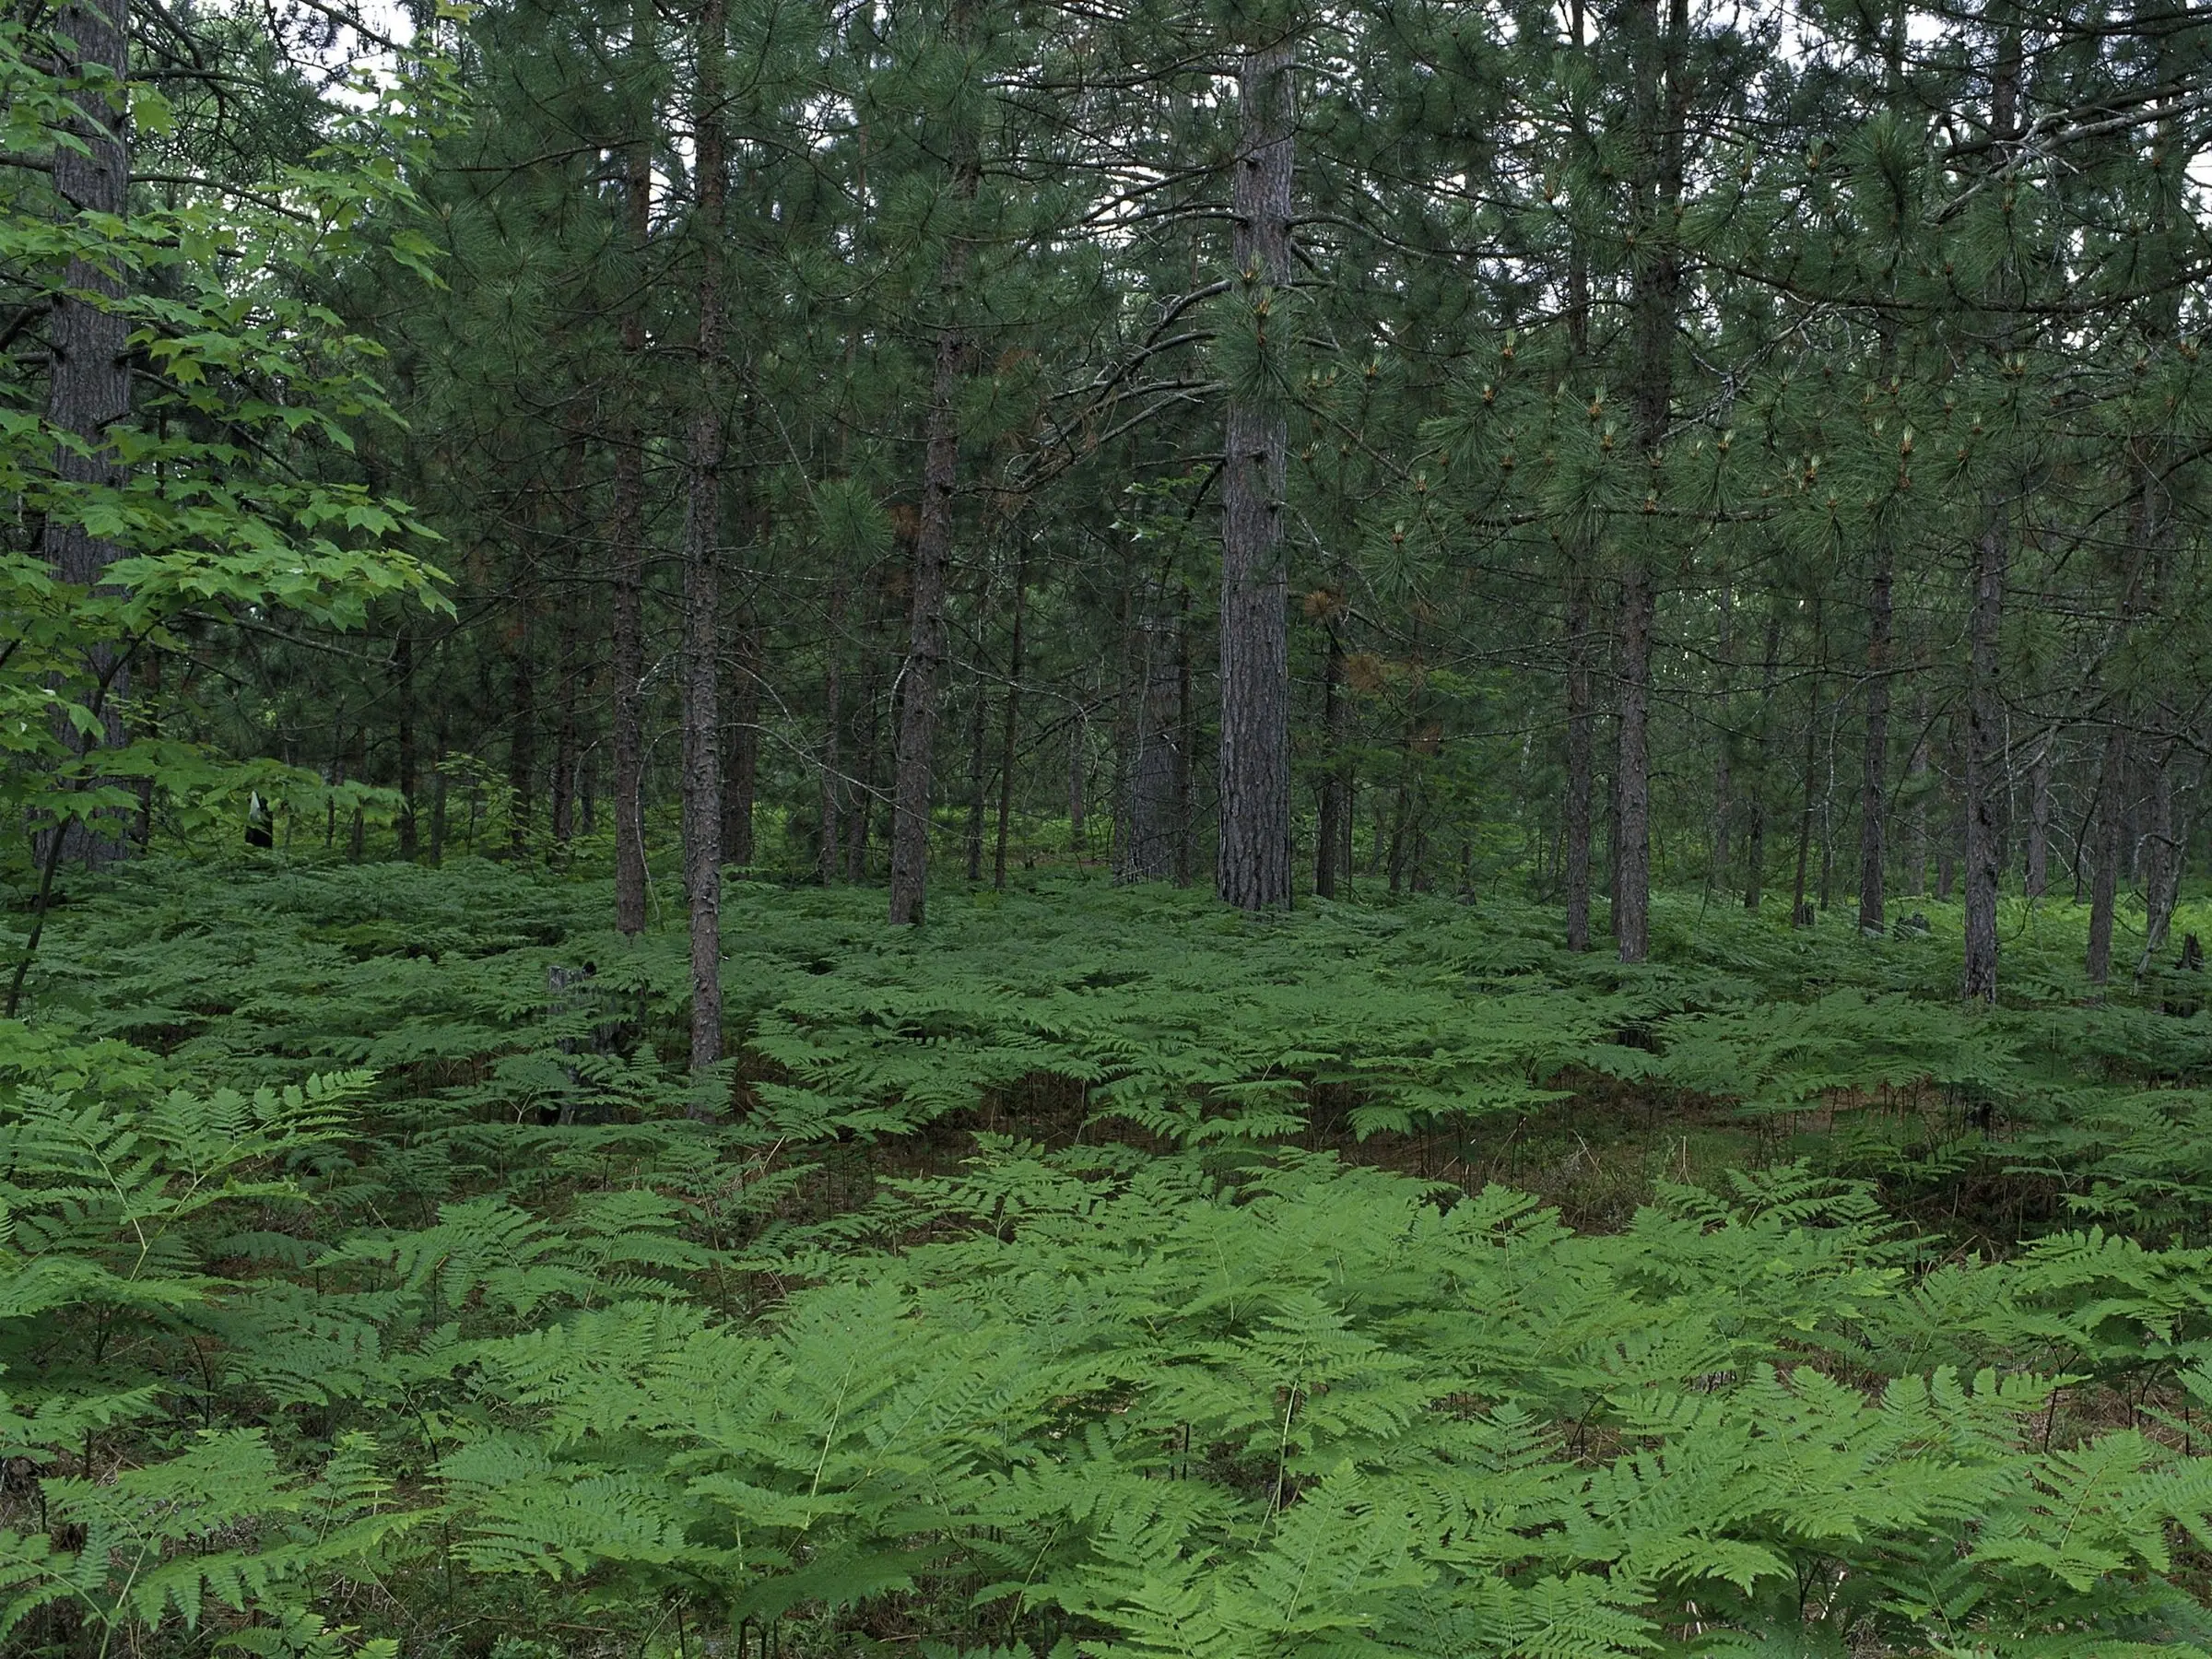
(1662, 120)
(702, 573)
(1253, 868)
(1873, 762)
(627, 649)
(89, 372)
(1984, 763)
(915, 769)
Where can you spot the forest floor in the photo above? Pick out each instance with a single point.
(1092, 1267)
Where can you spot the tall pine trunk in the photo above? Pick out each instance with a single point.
(1755, 837)
(831, 785)
(1662, 116)
(1984, 763)
(741, 772)
(1253, 867)
(88, 373)
(918, 681)
(926, 635)
(1582, 719)
(702, 572)
(1332, 849)
(627, 649)
(1010, 722)
(1874, 763)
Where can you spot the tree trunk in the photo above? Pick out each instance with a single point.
(979, 720)
(1755, 839)
(410, 761)
(1010, 728)
(2038, 873)
(1874, 763)
(521, 707)
(1724, 779)
(88, 373)
(926, 630)
(702, 572)
(627, 666)
(1329, 847)
(2163, 885)
(1253, 867)
(831, 784)
(2105, 877)
(1800, 916)
(568, 672)
(1633, 858)
(917, 727)
(1664, 100)
(741, 775)
(1077, 741)
(866, 780)
(1146, 851)
(1984, 765)
(1580, 724)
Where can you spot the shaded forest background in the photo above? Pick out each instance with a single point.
(1417, 447)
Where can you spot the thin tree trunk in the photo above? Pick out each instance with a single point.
(521, 707)
(410, 762)
(1186, 748)
(866, 779)
(831, 785)
(979, 721)
(1985, 717)
(2105, 877)
(1580, 724)
(1077, 741)
(702, 573)
(1253, 867)
(1631, 830)
(1874, 762)
(925, 631)
(741, 775)
(1755, 840)
(1148, 851)
(2038, 871)
(1010, 728)
(1801, 914)
(1724, 780)
(627, 666)
(2163, 885)
(1329, 849)
(568, 672)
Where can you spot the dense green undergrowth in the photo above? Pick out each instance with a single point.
(1089, 1272)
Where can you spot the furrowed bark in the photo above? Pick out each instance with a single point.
(1253, 867)
(702, 568)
